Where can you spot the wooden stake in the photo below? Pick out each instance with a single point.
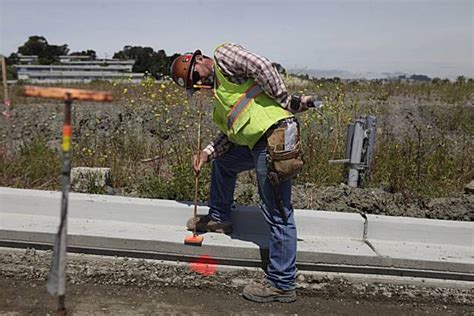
(4, 76)
(6, 101)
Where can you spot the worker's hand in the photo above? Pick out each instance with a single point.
(311, 101)
(199, 161)
(306, 101)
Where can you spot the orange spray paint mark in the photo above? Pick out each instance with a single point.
(204, 265)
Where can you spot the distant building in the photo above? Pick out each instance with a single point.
(28, 59)
(76, 69)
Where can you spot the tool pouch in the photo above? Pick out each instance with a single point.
(284, 152)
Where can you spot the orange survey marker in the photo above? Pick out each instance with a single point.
(62, 93)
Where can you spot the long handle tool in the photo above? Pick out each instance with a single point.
(195, 239)
(57, 274)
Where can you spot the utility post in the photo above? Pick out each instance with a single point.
(360, 146)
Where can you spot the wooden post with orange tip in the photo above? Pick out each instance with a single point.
(57, 273)
(7, 113)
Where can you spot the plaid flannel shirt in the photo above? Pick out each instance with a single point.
(238, 65)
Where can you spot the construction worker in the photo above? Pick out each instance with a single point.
(250, 101)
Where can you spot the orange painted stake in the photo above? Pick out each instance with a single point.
(7, 113)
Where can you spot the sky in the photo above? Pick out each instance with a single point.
(432, 37)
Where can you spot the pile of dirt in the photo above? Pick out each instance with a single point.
(106, 120)
(343, 198)
(377, 201)
(101, 120)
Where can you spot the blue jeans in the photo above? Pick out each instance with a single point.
(282, 249)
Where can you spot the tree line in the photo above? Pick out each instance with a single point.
(157, 63)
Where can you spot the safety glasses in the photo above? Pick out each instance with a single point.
(195, 76)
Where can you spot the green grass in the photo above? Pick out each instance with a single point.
(428, 160)
(35, 165)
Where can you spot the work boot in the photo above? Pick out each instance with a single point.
(264, 292)
(205, 224)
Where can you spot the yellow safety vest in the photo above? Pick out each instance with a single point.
(244, 112)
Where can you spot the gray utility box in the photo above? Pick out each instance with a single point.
(360, 145)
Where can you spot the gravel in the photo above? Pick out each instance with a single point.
(82, 269)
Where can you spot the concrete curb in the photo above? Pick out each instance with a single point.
(337, 242)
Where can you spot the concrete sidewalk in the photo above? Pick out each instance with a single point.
(327, 241)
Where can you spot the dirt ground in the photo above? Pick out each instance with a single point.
(121, 286)
(343, 198)
(20, 297)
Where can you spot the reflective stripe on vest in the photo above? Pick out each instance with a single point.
(253, 91)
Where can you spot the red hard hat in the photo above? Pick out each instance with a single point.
(181, 69)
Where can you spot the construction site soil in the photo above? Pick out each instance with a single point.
(103, 120)
(120, 286)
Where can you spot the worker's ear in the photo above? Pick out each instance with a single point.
(198, 59)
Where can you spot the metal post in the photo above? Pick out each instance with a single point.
(370, 127)
(61, 309)
(356, 153)
(350, 135)
(57, 275)
(360, 145)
